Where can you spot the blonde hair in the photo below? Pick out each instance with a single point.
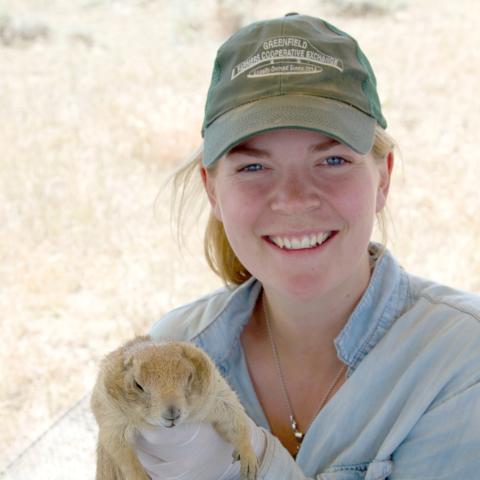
(221, 258)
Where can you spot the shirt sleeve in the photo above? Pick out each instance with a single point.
(277, 462)
(445, 442)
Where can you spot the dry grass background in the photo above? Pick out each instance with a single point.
(99, 100)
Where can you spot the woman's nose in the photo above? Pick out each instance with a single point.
(295, 194)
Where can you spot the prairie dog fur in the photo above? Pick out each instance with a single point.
(147, 383)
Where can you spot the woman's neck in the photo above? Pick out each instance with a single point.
(301, 323)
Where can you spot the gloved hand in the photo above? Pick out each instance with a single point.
(192, 451)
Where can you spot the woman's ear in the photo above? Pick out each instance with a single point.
(209, 185)
(384, 184)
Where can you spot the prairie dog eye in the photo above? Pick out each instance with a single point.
(138, 386)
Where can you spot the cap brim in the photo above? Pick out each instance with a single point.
(335, 119)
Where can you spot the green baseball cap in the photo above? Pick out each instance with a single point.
(290, 72)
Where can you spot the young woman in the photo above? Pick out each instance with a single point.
(349, 367)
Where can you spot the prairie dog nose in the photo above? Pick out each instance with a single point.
(172, 413)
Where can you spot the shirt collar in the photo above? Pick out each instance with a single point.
(382, 302)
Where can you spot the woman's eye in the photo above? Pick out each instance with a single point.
(253, 167)
(334, 161)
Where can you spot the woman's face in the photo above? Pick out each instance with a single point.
(298, 209)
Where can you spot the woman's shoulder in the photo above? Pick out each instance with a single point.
(188, 321)
(446, 301)
(446, 320)
(441, 329)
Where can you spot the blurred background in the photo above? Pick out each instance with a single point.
(100, 100)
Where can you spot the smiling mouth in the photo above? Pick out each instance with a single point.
(304, 242)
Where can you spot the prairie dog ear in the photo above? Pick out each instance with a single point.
(203, 367)
(131, 347)
(128, 360)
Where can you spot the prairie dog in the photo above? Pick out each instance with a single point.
(147, 383)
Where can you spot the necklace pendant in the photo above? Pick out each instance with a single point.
(299, 436)
(296, 432)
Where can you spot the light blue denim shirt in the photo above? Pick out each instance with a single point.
(410, 408)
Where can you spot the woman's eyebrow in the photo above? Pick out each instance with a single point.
(250, 151)
(320, 147)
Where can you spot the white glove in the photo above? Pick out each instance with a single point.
(192, 451)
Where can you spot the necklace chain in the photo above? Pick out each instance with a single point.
(298, 434)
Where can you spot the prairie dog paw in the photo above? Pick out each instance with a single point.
(248, 464)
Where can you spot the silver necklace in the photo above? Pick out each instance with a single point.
(297, 433)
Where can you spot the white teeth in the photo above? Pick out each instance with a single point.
(297, 243)
(305, 242)
(321, 237)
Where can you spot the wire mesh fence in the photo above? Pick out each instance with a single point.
(65, 450)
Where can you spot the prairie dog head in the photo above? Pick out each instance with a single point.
(165, 381)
